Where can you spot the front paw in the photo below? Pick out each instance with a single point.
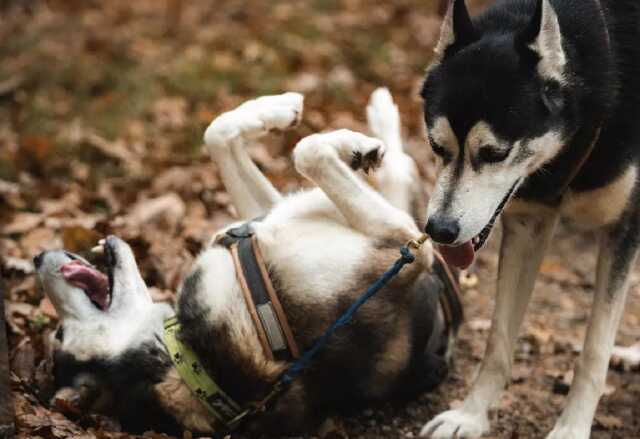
(255, 118)
(456, 424)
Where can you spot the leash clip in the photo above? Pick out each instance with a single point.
(415, 244)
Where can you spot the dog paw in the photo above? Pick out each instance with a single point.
(255, 118)
(626, 358)
(456, 424)
(367, 159)
(355, 149)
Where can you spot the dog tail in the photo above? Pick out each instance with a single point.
(384, 119)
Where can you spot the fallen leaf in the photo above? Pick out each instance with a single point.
(22, 222)
(608, 422)
(77, 238)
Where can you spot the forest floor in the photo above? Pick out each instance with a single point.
(102, 109)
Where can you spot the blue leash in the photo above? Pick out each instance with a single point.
(406, 257)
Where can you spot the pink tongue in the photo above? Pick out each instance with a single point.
(460, 256)
(94, 283)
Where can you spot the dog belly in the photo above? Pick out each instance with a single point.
(602, 206)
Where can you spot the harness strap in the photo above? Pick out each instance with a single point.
(262, 301)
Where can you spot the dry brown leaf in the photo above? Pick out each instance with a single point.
(78, 238)
(167, 210)
(22, 222)
(39, 239)
(559, 272)
(609, 422)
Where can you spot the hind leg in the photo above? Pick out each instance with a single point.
(329, 160)
(397, 178)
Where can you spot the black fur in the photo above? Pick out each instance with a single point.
(128, 379)
(222, 359)
(492, 76)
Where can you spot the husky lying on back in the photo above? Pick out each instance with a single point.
(322, 248)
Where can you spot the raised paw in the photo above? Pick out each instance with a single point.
(355, 149)
(456, 424)
(367, 161)
(626, 358)
(255, 118)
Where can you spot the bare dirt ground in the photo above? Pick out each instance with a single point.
(102, 108)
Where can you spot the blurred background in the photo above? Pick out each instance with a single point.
(102, 110)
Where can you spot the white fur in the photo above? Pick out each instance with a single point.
(447, 38)
(477, 194)
(398, 174)
(226, 139)
(548, 45)
(318, 238)
(132, 318)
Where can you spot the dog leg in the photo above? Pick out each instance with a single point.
(329, 161)
(618, 251)
(397, 178)
(226, 139)
(524, 241)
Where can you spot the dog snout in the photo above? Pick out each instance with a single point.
(442, 230)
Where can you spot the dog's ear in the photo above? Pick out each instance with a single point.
(457, 30)
(544, 37)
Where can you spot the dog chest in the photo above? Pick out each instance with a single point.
(602, 206)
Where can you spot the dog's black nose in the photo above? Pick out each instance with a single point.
(37, 261)
(442, 230)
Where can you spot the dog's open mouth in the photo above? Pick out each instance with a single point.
(462, 256)
(95, 284)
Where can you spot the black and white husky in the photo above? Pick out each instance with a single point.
(534, 107)
(323, 247)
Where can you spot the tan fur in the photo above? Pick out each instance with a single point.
(396, 355)
(176, 398)
(602, 206)
(443, 135)
(480, 135)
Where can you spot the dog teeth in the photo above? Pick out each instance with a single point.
(99, 249)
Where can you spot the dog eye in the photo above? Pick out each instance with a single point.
(490, 154)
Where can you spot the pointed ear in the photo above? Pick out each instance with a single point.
(457, 29)
(544, 37)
